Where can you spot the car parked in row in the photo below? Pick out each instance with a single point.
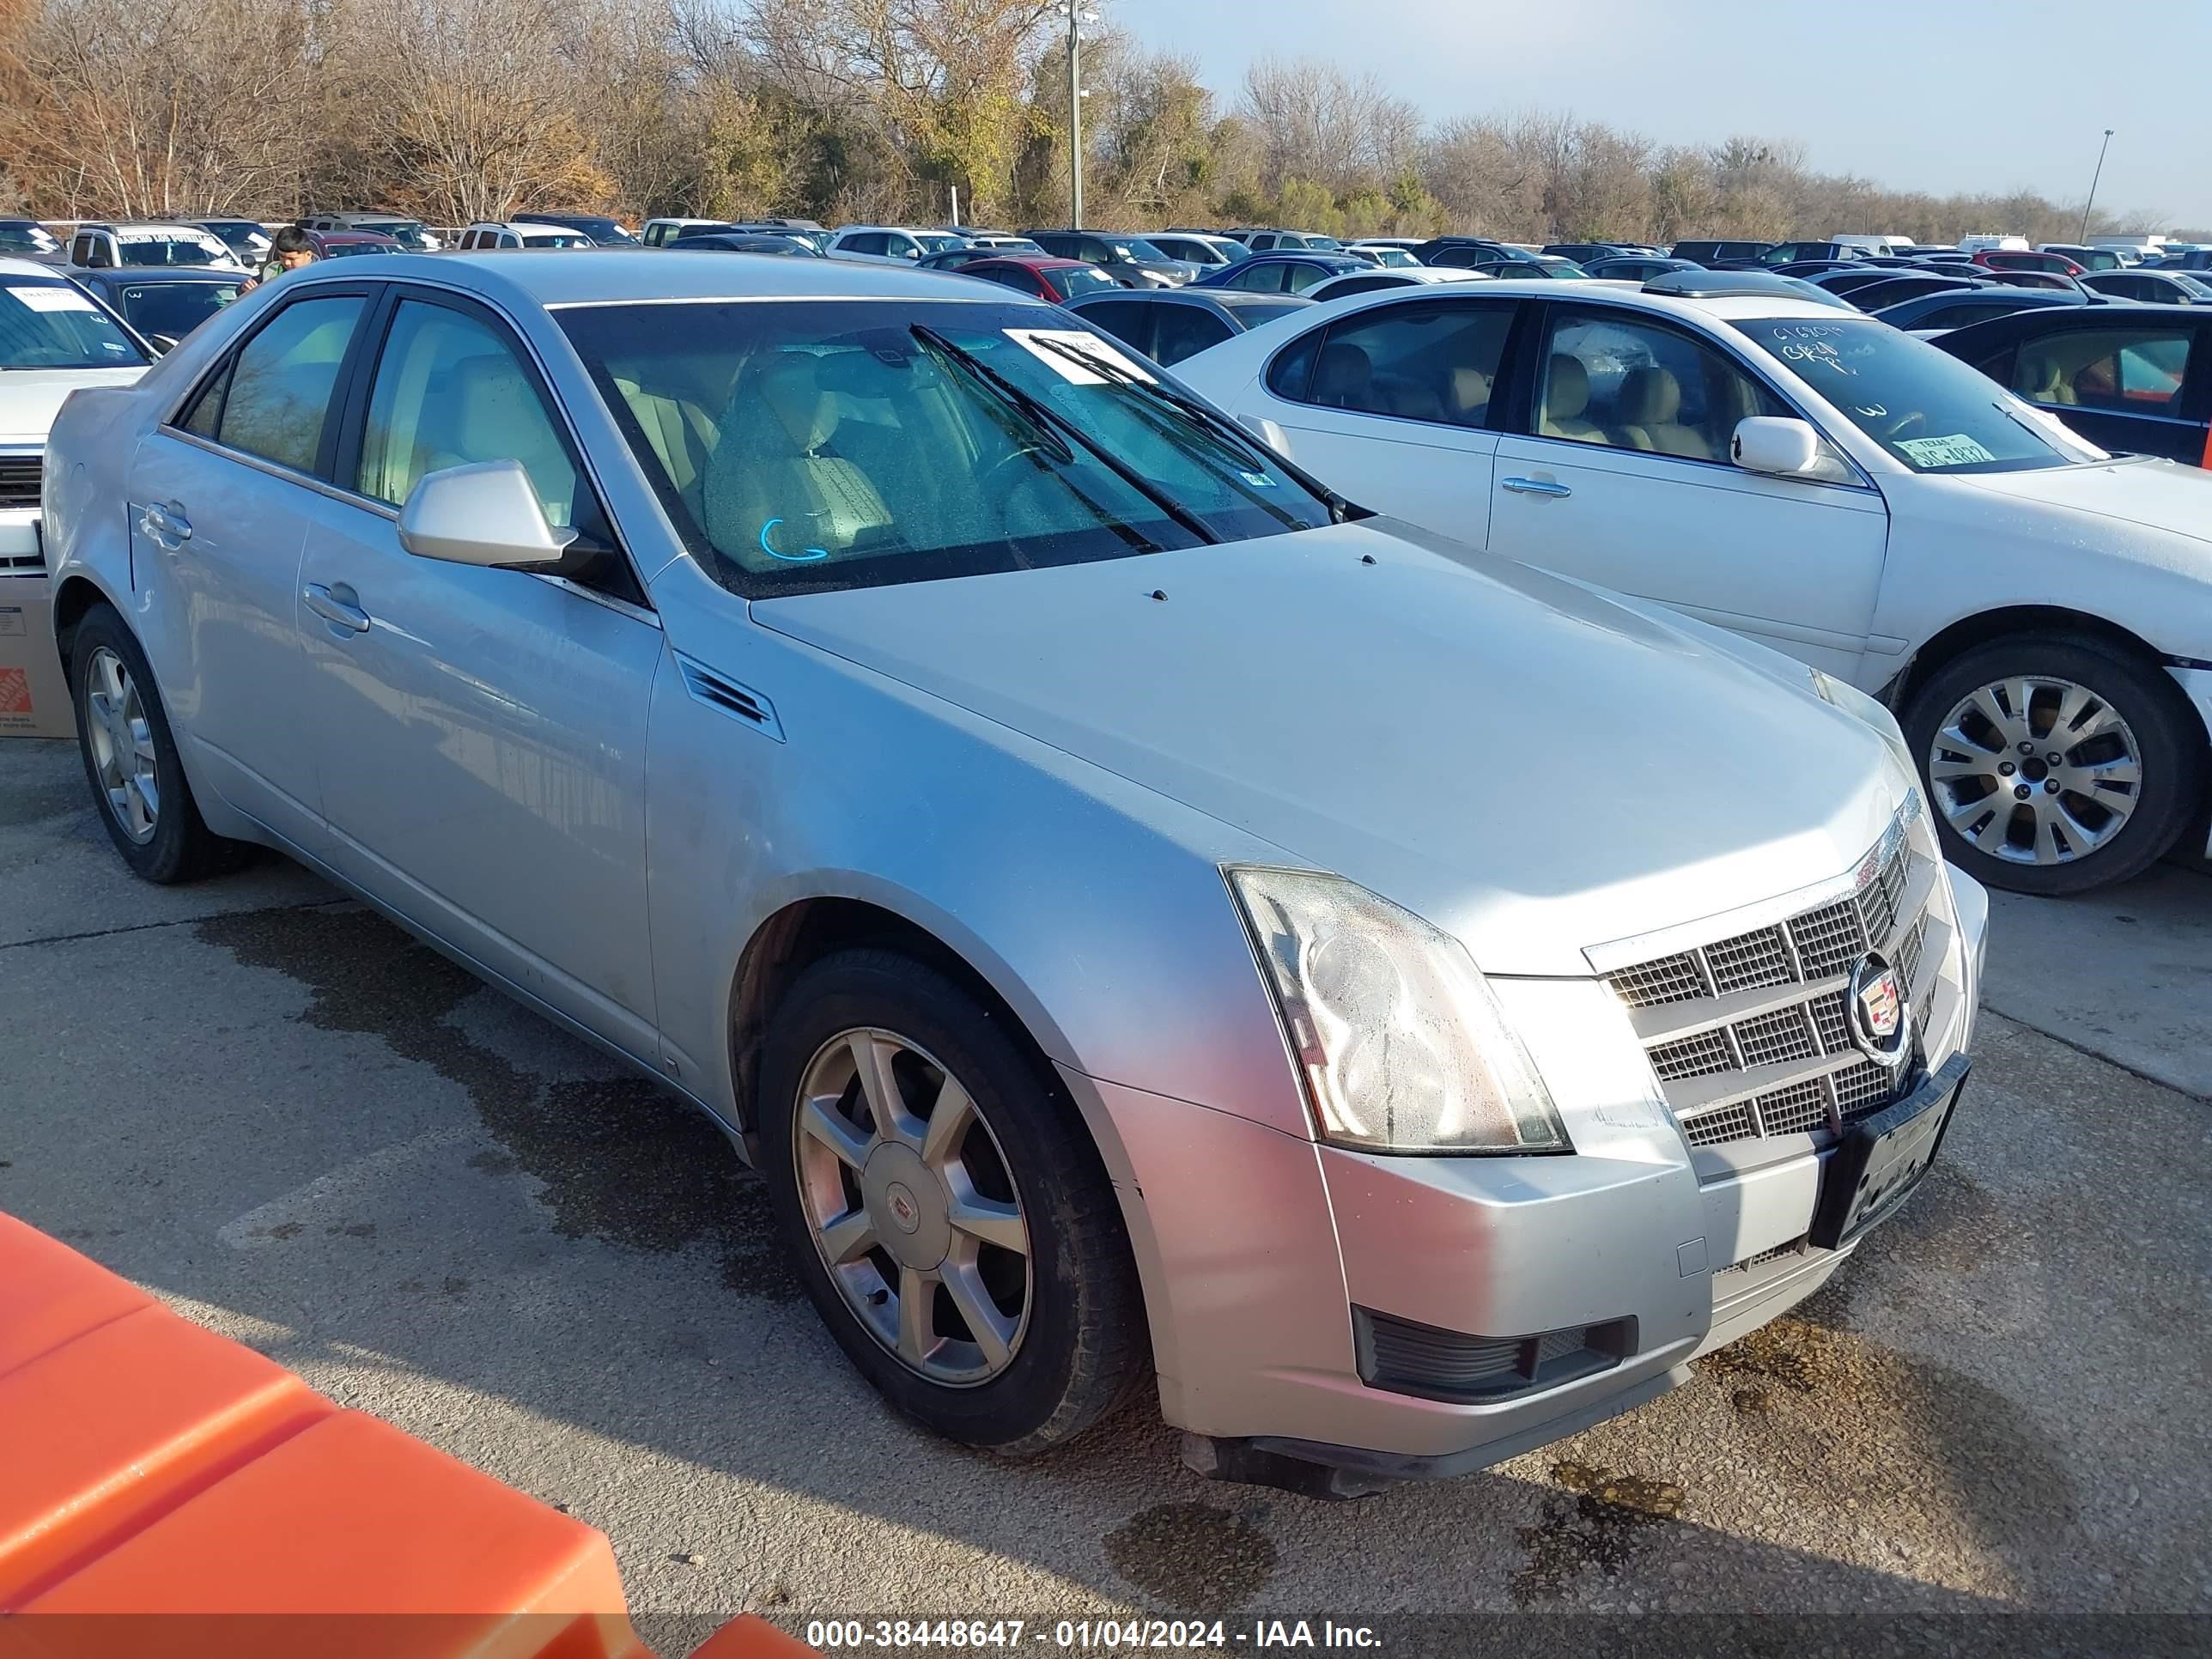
(519, 234)
(410, 233)
(890, 244)
(1373, 282)
(1281, 273)
(2038, 611)
(1169, 324)
(1710, 253)
(351, 244)
(1270, 240)
(604, 229)
(1174, 1045)
(1042, 277)
(740, 241)
(27, 239)
(2088, 258)
(2165, 288)
(1129, 260)
(2055, 264)
(1949, 309)
(96, 245)
(2134, 378)
(1636, 267)
(163, 306)
(1197, 249)
(1390, 256)
(243, 237)
(659, 233)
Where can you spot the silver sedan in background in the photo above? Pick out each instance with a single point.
(1150, 922)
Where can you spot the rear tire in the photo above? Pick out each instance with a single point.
(1016, 1342)
(2055, 763)
(130, 759)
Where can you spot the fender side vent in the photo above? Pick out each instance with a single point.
(738, 701)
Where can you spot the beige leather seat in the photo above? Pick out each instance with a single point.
(1566, 396)
(1467, 396)
(1649, 403)
(490, 412)
(682, 437)
(775, 491)
(1344, 377)
(2040, 380)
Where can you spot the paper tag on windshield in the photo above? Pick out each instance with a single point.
(1074, 373)
(52, 297)
(1958, 450)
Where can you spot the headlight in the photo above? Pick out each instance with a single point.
(1403, 1046)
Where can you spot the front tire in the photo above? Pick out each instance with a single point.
(130, 759)
(2055, 763)
(945, 1209)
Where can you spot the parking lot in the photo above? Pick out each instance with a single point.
(271, 1108)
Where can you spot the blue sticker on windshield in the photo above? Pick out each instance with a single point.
(807, 557)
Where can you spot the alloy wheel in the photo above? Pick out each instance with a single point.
(2035, 770)
(122, 745)
(912, 1205)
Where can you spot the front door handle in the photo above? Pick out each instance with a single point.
(336, 606)
(1536, 486)
(166, 525)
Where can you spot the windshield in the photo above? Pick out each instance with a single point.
(555, 238)
(27, 239)
(820, 445)
(931, 243)
(173, 309)
(2195, 285)
(1388, 256)
(53, 325)
(240, 237)
(1925, 407)
(173, 251)
(347, 250)
(1134, 247)
(1080, 279)
(408, 232)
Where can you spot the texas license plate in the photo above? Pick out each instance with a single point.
(1880, 1159)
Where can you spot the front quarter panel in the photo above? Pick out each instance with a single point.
(1093, 907)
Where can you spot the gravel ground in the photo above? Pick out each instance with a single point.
(308, 1132)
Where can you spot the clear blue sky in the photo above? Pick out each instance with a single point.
(1916, 95)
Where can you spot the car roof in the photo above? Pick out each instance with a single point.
(165, 226)
(1028, 261)
(622, 275)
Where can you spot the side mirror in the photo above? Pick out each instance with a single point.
(486, 515)
(162, 343)
(1777, 443)
(1267, 432)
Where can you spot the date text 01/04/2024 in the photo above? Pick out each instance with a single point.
(1085, 1633)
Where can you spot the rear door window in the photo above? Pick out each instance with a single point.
(2138, 370)
(1185, 331)
(1429, 360)
(1130, 321)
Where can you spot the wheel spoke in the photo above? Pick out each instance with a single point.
(2047, 849)
(991, 1222)
(948, 1124)
(991, 1330)
(1942, 770)
(1990, 838)
(820, 1120)
(2007, 726)
(871, 1058)
(2093, 779)
(848, 1239)
(2074, 702)
(917, 1321)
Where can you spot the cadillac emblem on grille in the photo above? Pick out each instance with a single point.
(1879, 1028)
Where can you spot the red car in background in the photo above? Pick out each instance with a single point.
(2055, 264)
(1041, 276)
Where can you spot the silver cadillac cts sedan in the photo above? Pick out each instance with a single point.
(1145, 917)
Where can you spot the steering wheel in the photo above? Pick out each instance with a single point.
(1897, 428)
(997, 483)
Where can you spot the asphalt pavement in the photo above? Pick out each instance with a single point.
(299, 1127)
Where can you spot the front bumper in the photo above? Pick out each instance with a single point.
(1260, 1250)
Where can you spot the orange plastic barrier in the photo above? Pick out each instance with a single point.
(149, 1468)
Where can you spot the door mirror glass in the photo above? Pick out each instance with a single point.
(484, 513)
(1777, 443)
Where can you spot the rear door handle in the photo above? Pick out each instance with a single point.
(1536, 486)
(166, 525)
(335, 606)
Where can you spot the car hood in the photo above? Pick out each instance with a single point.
(31, 397)
(2155, 494)
(1528, 764)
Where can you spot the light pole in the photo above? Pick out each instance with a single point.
(2084, 237)
(1077, 17)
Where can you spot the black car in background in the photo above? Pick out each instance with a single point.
(1894, 287)
(2133, 378)
(161, 303)
(1715, 253)
(1637, 267)
(752, 241)
(27, 239)
(1169, 324)
(1965, 306)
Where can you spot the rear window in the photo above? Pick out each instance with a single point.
(53, 325)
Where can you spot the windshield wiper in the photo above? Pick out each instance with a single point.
(1051, 422)
(1339, 509)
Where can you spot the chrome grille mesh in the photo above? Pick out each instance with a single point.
(1809, 1034)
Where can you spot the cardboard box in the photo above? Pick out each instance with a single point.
(34, 700)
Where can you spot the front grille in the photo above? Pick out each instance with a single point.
(1794, 1246)
(1740, 1062)
(19, 480)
